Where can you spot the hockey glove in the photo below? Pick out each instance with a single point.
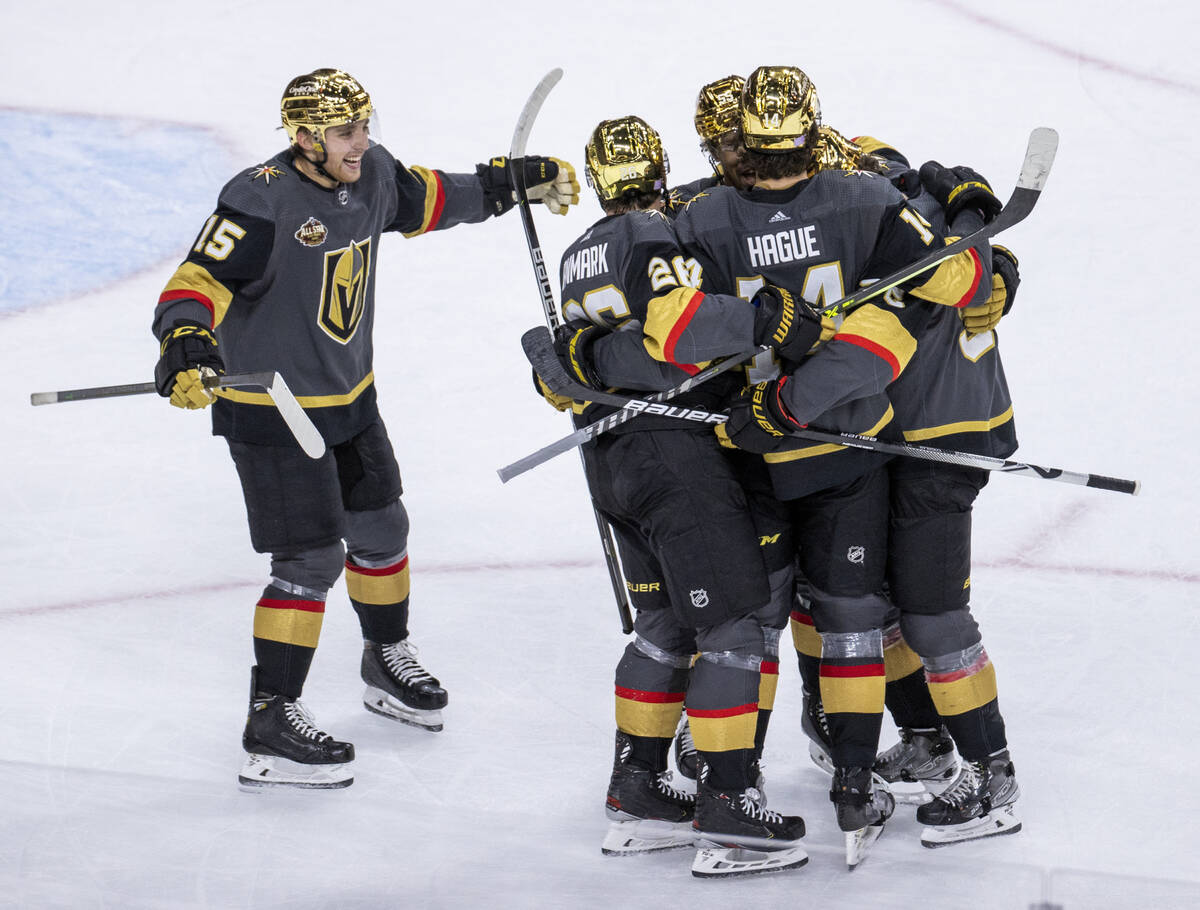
(758, 419)
(573, 345)
(547, 180)
(187, 354)
(1005, 278)
(559, 402)
(956, 188)
(555, 185)
(787, 323)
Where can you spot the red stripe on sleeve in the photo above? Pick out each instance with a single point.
(751, 708)
(439, 202)
(678, 329)
(308, 606)
(875, 348)
(853, 672)
(188, 295)
(385, 570)
(660, 698)
(966, 298)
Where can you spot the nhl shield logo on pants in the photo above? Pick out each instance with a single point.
(699, 598)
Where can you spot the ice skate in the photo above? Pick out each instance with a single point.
(980, 803)
(685, 750)
(920, 766)
(285, 748)
(737, 835)
(864, 804)
(399, 688)
(645, 813)
(816, 728)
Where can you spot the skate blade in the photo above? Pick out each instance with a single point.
(726, 862)
(265, 771)
(858, 844)
(820, 757)
(644, 835)
(911, 793)
(379, 702)
(997, 822)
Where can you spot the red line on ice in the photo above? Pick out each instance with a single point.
(1061, 51)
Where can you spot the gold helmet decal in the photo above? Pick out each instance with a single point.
(625, 154)
(323, 98)
(718, 108)
(780, 110)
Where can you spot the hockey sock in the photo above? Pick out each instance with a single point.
(852, 693)
(963, 687)
(286, 629)
(379, 596)
(807, 641)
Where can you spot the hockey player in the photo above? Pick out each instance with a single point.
(282, 278)
(688, 543)
(952, 395)
(820, 233)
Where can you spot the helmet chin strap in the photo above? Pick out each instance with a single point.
(319, 165)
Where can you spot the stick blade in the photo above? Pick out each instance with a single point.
(302, 427)
(1039, 158)
(530, 111)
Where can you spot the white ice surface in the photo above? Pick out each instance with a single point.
(130, 582)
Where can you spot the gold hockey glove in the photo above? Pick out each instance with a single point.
(557, 188)
(1005, 279)
(187, 354)
(559, 402)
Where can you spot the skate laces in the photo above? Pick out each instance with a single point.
(686, 744)
(303, 722)
(662, 783)
(750, 801)
(401, 660)
(966, 787)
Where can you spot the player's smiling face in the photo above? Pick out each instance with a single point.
(340, 157)
(345, 146)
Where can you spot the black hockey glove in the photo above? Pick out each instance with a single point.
(1005, 278)
(786, 322)
(956, 188)
(188, 353)
(758, 419)
(573, 345)
(550, 181)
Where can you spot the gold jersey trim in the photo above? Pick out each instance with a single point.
(197, 280)
(825, 448)
(306, 401)
(962, 426)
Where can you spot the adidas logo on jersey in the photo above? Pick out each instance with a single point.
(778, 217)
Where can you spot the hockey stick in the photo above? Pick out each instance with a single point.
(302, 428)
(1035, 168)
(560, 382)
(516, 165)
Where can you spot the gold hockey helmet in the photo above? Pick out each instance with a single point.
(323, 98)
(718, 108)
(625, 154)
(780, 110)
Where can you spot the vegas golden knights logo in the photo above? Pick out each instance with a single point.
(344, 290)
